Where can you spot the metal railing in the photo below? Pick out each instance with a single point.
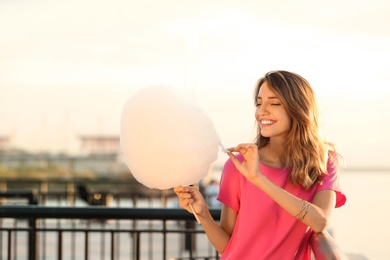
(108, 193)
(72, 233)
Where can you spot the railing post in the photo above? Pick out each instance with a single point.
(164, 239)
(86, 253)
(32, 223)
(32, 240)
(189, 241)
(59, 249)
(138, 247)
(113, 245)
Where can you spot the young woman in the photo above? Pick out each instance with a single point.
(279, 191)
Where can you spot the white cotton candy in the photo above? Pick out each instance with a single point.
(166, 139)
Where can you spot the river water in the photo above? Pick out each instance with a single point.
(361, 227)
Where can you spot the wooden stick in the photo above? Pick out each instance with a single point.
(196, 215)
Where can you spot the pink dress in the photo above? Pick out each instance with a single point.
(263, 229)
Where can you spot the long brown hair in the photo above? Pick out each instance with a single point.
(307, 152)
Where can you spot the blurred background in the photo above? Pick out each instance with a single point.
(68, 67)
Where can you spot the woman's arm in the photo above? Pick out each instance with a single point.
(315, 214)
(219, 235)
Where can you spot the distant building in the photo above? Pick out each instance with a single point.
(99, 144)
(100, 153)
(99, 156)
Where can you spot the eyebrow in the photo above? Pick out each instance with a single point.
(273, 97)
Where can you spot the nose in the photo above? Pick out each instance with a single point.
(262, 110)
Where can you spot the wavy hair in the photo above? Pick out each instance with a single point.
(307, 152)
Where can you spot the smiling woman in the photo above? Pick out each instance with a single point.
(283, 186)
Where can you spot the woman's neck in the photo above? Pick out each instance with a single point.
(273, 154)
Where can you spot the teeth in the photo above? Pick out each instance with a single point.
(266, 122)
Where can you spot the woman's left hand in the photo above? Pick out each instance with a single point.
(250, 166)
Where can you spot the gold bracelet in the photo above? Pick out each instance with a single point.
(304, 209)
(308, 205)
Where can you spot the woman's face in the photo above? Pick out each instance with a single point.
(271, 114)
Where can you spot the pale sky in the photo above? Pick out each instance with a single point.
(68, 67)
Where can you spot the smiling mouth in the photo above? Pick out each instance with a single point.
(267, 122)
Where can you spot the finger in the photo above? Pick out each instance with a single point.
(178, 189)
(252, 147)
(241, 151)
(245, 148)
(234, 159)
(240, 147)
(185, 195)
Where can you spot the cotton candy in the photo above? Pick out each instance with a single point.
(166, 139)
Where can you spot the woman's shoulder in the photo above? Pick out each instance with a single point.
(334, 161)
(229, 167)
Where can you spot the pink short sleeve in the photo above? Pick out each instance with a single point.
(229, 192)
(330, 181)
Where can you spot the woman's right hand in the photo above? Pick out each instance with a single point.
(191, 195)
(250, 166)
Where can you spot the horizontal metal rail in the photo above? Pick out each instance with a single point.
(98, 212)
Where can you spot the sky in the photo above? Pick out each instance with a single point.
(68, 67)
